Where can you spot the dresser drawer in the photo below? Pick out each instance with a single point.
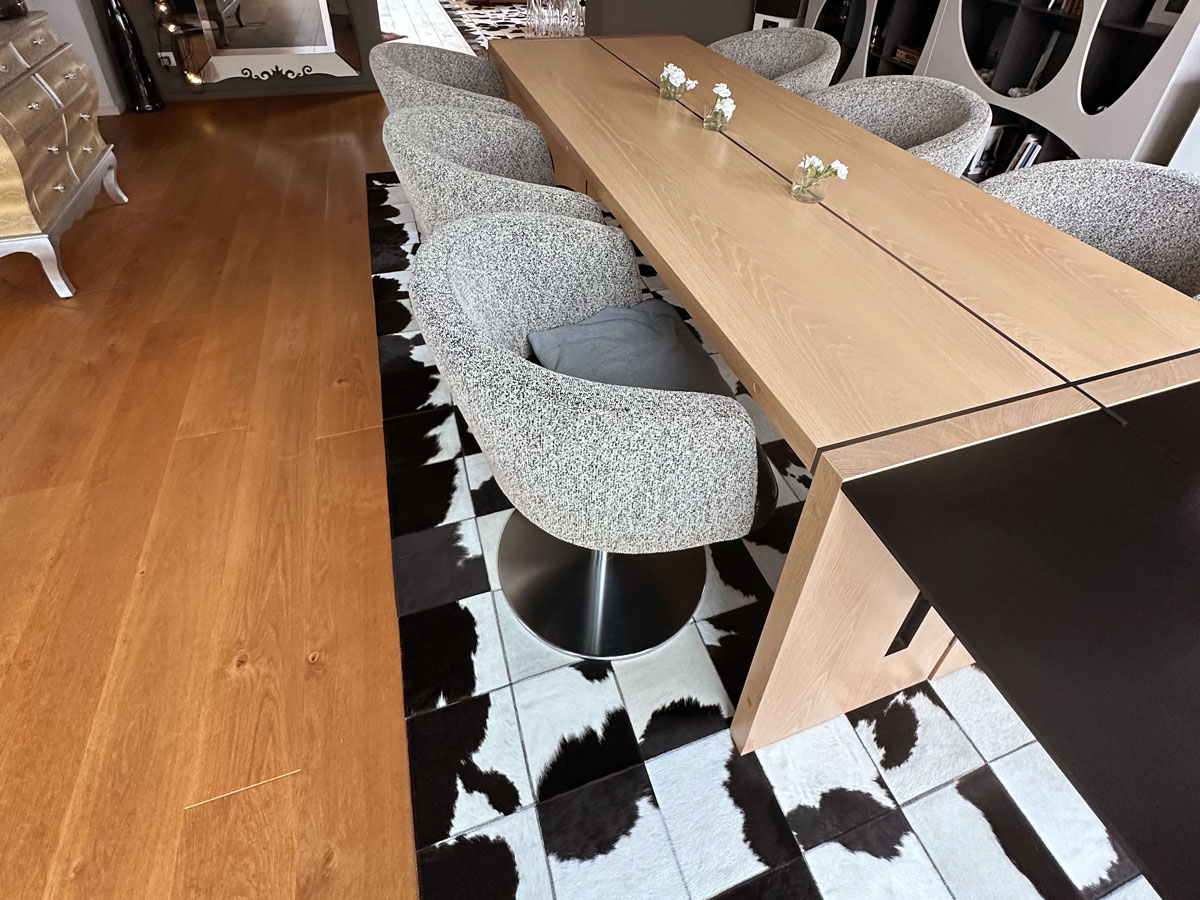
(65, 73)
(35, 43)
(84, 141)
(51, 183)
(42, 149)
(27, 106)
(85, 146)
(10, 64)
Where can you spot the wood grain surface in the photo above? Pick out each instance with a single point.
(199, 662)
(1080, 311)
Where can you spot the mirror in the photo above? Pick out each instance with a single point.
(262, 39)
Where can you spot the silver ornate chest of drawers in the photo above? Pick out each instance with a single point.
(53, 160)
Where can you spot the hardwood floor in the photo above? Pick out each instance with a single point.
(199, 665)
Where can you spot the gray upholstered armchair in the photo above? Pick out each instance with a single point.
(419, 75)
(939, 121)
(802, 60)
(612, 484)
(1144, 215)
(457, 162)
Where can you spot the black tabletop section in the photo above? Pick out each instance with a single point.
(1067, 560)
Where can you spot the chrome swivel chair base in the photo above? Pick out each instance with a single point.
(595, 604)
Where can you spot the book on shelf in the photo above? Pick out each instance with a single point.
(1026, 153)
(910, 55)
(1005, 148)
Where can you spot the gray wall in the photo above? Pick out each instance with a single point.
(75, 21)
(702, 20)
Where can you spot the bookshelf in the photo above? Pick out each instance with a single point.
(1082, 77)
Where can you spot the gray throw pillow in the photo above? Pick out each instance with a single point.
(647, 346)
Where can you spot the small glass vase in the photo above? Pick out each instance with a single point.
(715, 120)
(808, 191)
(668, 91)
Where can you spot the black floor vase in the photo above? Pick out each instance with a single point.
(140, 89)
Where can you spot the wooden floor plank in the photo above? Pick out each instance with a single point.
(202, 542)
(142, 733)
(240, 847)
(248, 733)
(52, 687)
(229, 358)
(351, 649)
(29, 550)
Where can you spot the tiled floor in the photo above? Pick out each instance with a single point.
(536, 775)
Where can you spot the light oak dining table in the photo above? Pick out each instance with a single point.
(908, 315)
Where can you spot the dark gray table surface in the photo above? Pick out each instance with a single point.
(1067, 561)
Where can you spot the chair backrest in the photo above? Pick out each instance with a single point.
(490, 280)
(439, 65)
(419, 75)
(937, 120)
(495, 144)
(772, 52)
(905, 110)
(1144, 215)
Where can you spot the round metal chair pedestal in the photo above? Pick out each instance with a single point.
(595, 604)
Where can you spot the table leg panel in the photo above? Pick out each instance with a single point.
(840, 604)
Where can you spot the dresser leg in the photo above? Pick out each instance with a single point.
(47, 252)
(112, 188)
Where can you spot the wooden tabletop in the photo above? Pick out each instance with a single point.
(836, 338)
(1078, 310)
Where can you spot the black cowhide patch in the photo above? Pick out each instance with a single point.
(788, 882)
(423, 499)
(881, 838)
(488, 498)
(763, 825)
(387, 290)
(732, 655)
(894, 723)
(397, 353)
(408, 390)
(392, 317)
(435, 566)
(594, 670)
(736, 568)
(411, 441)
(589, 822)
(590, 756)
(441, 747)
(840, 810)
(389, 249)
(469, 445)
(1014, 834)
(680, 722)
(438, 656)
(470, 868)
(777, 533)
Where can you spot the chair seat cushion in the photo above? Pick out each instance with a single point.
(646, 346)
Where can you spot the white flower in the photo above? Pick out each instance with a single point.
(813, 162)
(677, 77)
(721, 90)
(840, 167)
(668, 69)
(726, 106)
(690, 83)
